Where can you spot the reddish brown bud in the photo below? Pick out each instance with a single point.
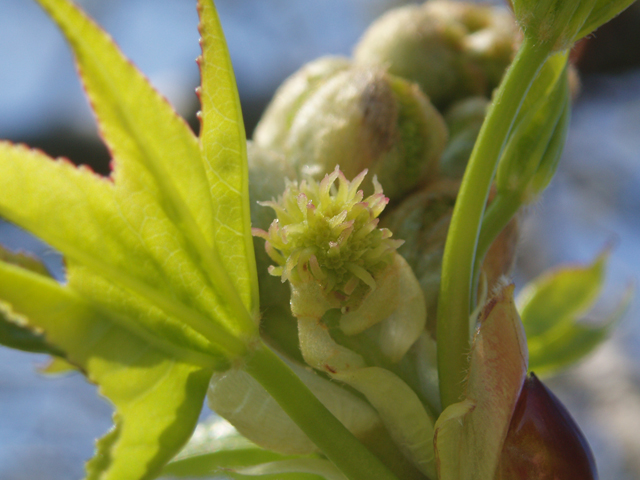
(544, 442)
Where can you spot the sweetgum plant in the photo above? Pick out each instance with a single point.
(341, 350)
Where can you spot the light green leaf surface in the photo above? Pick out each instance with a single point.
(552, 307)
(273, 476)
(560, 296)
(160, 189)
(108, 259)
(209, 464)
(14, 331)
(156, 387)
(571, 342)
(148, 310)
(469, 434)
(24, 260)
(57, 366)
(224, 152)
(218, 450)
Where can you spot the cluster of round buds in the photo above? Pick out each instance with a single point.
(329, 234)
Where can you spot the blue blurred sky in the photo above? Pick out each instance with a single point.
(268, 40)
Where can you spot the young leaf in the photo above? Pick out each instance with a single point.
(14, 332)
(401, 411)
(157, 163)
(274, 476)
(108, 259)
(156, 387)
(560, 23)
(224, 152)
(215, 462)
(552, 306)
(149, 309)
(560, 295)
(571, 342)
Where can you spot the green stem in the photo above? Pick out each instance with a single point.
(318, 423)
(454, 303)
(499, 213)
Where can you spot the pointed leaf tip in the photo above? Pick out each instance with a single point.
(224, 152)
(552, 308)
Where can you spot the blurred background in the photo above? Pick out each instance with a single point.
(47, 425)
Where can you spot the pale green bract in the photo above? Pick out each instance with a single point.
(161, 285)
(470, 433)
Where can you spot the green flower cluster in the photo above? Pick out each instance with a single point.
(328, 234)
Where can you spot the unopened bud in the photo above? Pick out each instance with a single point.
(451, 49)
(358, 118)
(273, 129)
(328, 235)
(543, 441)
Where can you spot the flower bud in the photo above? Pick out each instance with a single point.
(543, 441)
(452, 50)
(358, 118)
(464, 120)
(273, 129)
(327, 236)
(561, 23)
(422, 221)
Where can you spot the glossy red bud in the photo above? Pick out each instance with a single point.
(543, 441)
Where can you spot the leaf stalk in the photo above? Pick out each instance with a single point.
(455, 299)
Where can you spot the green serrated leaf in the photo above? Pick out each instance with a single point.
(108, 260)
(24, 260)
(224, 152)
(160, 188)
(57, 366)
(151, 306)
(560, 296)
(156, 387)
(14, 332)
